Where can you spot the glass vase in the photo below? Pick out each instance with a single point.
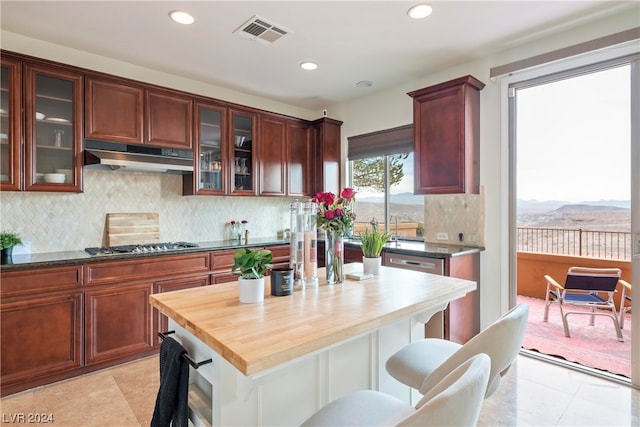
(334, 260)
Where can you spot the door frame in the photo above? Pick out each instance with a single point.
(625, 53)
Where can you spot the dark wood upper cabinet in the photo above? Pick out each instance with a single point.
(114, 111)
(272, 156)
(243, 140)
(119, 110)
(10, 120)
(169, 119)
(446, 120)
(299, 171)
(326, 162)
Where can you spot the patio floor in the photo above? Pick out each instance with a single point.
(592, 346)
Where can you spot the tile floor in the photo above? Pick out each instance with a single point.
(533, 393)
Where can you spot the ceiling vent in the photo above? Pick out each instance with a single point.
(261, 30)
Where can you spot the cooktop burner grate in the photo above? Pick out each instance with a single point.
(140, 249)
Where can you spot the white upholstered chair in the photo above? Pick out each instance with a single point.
(421, 363)
(455, 401)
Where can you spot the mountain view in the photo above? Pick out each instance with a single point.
(601, 215)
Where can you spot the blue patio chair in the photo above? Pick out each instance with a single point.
(585, 287)
(626, 287)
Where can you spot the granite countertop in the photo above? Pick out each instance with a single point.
(431, 250)
(52, 259)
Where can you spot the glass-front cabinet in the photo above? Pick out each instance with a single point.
(10, 154)
(53, 123)
(210, 150)
(243, 168)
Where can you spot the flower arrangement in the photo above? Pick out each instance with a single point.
(336, 213)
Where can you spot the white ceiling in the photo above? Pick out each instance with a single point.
(351, 40)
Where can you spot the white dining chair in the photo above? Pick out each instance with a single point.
(455, 401)
(420, 364)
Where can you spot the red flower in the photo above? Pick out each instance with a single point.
(348, 193)
(339, 212)
(233, 223)
(329, 214)
(244, 221)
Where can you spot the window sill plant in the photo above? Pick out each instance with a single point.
(251, 266)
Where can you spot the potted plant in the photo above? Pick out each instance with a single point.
(372, 243)
(251, 266)
(7, 241)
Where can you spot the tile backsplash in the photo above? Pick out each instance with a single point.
(68, 221)
(454, 214)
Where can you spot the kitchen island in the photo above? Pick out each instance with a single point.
(277, 362)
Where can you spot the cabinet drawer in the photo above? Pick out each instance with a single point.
(222, 261)
(25, 282)
(146, 268)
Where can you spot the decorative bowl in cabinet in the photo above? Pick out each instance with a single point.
(55, 178)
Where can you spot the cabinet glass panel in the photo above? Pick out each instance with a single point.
(6, 150)
(210, 149)
(54, 130)
(243, 155)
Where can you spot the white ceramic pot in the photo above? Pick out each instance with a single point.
(251, 290)
(371, 265)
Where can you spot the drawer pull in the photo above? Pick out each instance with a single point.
(192, 362)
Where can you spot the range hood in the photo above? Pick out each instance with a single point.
(134, 158)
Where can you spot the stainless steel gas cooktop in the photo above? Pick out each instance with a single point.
(140, 249)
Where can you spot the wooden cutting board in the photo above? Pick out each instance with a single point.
(132, 228)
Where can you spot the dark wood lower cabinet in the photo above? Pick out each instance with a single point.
(160, 320)
(40, 337)
(117, 322)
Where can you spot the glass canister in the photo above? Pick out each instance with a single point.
(296, 211)
(310, 244)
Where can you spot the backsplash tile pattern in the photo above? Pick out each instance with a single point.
(59, 221)
(454, 214)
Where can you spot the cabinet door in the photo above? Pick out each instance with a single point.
(242, 144)
(446, 120)
(117, 321)
(161, 321)
(40, 337)
(272, 156)
(210, 152)
(53, 129)
(326, 155)
(169, 119)
(10, 115)
(299, 171)
(113, 110)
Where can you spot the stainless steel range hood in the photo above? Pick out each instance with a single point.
(137, 158)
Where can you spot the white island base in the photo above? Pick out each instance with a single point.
(220, 395)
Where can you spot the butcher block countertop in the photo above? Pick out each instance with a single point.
(256, 337)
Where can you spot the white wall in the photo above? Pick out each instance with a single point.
(393, 107)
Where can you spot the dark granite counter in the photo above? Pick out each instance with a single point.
(423, 249)
(51, 259)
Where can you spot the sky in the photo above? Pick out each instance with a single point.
(573, 139)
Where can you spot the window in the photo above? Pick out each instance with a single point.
(381, 171)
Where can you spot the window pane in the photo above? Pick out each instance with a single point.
(405, 209)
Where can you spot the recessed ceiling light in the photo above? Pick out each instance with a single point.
(308, 65)
(420, 11)
(181, 17)
(364, 83)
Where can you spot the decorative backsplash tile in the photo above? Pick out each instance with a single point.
(454, 214)
(69, 221)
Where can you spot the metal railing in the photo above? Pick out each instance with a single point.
(575, 242)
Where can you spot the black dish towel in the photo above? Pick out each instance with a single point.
(171, 403)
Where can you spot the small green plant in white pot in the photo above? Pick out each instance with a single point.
(251, 266)
(372, 243)
(7, 242)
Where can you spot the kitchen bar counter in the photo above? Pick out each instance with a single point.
(277, 361)
(431, 250)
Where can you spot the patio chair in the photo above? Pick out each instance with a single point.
(626, 287)
(582, 288)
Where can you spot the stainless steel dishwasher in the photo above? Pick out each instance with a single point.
(412, 262)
